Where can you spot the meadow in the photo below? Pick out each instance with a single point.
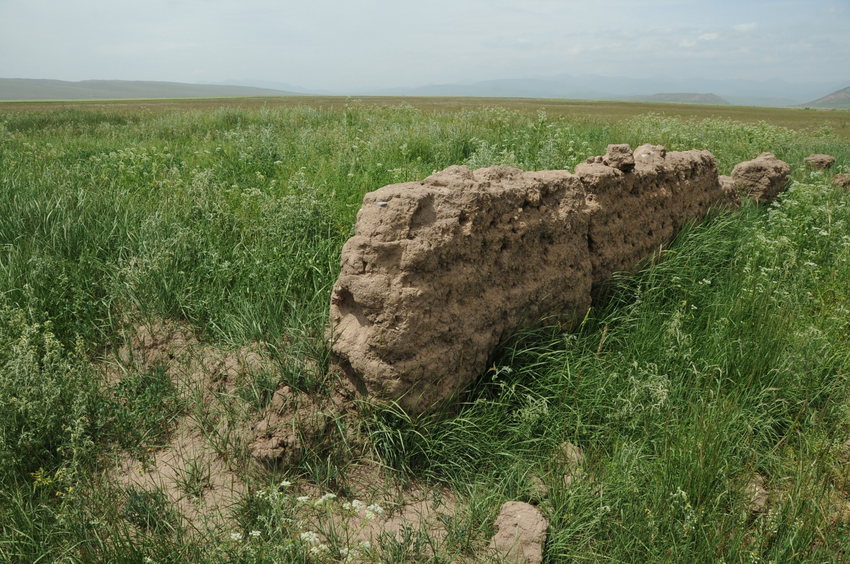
(836, 122)
(722, 364)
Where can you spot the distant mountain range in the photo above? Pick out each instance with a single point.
(588, 87)
(838, 99)
(37, 89)
(774, 92)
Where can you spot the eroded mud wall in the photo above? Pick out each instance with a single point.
(440, 271)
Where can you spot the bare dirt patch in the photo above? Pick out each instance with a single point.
(194, 478)
(196, 470)
(220, 444)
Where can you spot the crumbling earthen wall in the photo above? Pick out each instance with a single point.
(440, 271)
(636, 206)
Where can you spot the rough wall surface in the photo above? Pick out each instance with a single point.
(440, 271)
(633, 212)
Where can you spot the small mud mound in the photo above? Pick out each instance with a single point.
(842, 180)
(819, 161)
(291, 424)
(191, 364)
(762, 178)
(520, 533)
(156, 344)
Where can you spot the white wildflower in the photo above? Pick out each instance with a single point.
(324, 498)
(236, 537)
(318, 549)
(310, 537)
(376, 509)
(254, 534)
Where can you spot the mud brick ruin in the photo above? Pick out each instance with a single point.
(439, 272)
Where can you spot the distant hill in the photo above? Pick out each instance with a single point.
(764, 101)
(502, 88)
(681, 98)
(838, 99)
(774, 92)
(37, 89)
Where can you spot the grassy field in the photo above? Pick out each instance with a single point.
(835, 122)
(723, 365)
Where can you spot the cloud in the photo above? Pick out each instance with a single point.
(387, 43)
(744, 27)
(687, 43)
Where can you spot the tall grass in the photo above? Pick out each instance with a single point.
(726, 358)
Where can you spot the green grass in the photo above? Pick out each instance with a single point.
(809, 120)
(728, 357)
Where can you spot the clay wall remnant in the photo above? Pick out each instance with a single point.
(761, 179)
(440, 271)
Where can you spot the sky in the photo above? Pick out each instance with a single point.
(351, 45)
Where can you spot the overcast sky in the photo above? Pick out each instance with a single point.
(357, 44)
